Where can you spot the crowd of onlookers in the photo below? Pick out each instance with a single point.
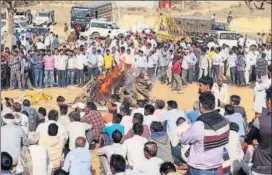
(155, 138)
(41, 61)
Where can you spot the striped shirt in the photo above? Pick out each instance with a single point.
(49, 62)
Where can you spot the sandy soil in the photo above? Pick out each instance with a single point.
(185, 101)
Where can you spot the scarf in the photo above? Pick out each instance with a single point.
(216, 130)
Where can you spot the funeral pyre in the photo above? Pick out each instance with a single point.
(100, 88)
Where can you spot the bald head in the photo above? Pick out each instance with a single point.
(80, 142)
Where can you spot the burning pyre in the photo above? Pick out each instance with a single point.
(100, 88)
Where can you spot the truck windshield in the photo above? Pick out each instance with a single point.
(228, 36)
(43, 15)
(81, 12)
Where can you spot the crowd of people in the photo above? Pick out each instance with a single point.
(41, 61)
(151, 138)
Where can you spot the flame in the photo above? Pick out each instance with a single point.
(105, 86)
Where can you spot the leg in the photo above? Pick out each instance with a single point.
(225, 67)
(18, 77)
(217, 70)
(73, 77)
(184, 76)
(51, 76)
(59, 79)
(46, 78)
(28, 82)
(201, 71)
(105, 168)
(23, 78)
(40, 77)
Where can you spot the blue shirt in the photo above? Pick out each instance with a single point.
(93, 59)
(110, 129)
(171, 117)
(37, 61)
(238, 119)
(193, 115)
(78, 162)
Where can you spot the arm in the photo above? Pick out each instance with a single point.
(194, 134)
(67, 162)
(102, 151)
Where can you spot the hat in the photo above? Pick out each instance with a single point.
(79, 105)
(33, 138)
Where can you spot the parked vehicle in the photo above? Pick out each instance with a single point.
(102, 28)
(141, 27)
(38, 30)
(226, 37)
(25, 15)
(45, 18)
(82, 15)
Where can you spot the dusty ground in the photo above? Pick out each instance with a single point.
(185, 101)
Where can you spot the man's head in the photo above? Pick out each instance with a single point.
(74, 116)
(205, 84)
(53, 115)
(60, 100)
(53, 129)
(26, 103)
(91, 107)
(149, 110)
(138, 129)
(140, 103)
(235, 100)
(117, 118)
(138, 118)
(159, 104)
(150, 149)
(234, 126)
(116, 136)
(206, 102)
(219, 81)
(6, 161)
(63, 109)
(269, 99)
(167, 167)
(172, 105)
(156, 127)
(229, 109)
(117, 164)
(124, 111)
(80, 142)
(17, 107)
(42, 111)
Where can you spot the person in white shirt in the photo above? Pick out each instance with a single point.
(79, 160)
(71, 62)
(20, 118)
(100, 63)
(149, 116)
(216, 65)
(203, 63)
(139, 108)
(133, 147)
(42, 128)
(262, 84)
(159, 109)
(151, 63)
(126, 120)
(106, 152)
(40, 45)
(77, 129)
(152, 163)
(62, 65)
(232, 58)
(163, 63)
(220, 90)
(185, 68)
(140, 62)
(39, 155)
(64, 119)
(129, 62)
(81, 60)
(234, 148)
(47, 42)
(80, 42)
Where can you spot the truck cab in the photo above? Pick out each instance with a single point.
(23, 16)
(226, 37)
(45, 18)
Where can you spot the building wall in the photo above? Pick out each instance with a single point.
(135, 4)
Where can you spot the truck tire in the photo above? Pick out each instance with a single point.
(95, 35)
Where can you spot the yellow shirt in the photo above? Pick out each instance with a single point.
(211, 55)
(108, 60)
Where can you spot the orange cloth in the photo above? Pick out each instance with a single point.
(107, 117)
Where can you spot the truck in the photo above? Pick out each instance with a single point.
(193, 26)
(24, 15)
(82, 15)
(44, 18)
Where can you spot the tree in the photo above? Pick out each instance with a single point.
(11, 9)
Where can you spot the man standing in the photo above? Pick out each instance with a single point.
(37, 63)
(192, 63)
(232, 58)
(62, 64)
(207, 138)
(92, 64)
(140, 62)
(261, 130)
(80, 62)
(163, 63)
(49, 63)
(25, 69)
(185, 68)
(203, 63)
(15, 70)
